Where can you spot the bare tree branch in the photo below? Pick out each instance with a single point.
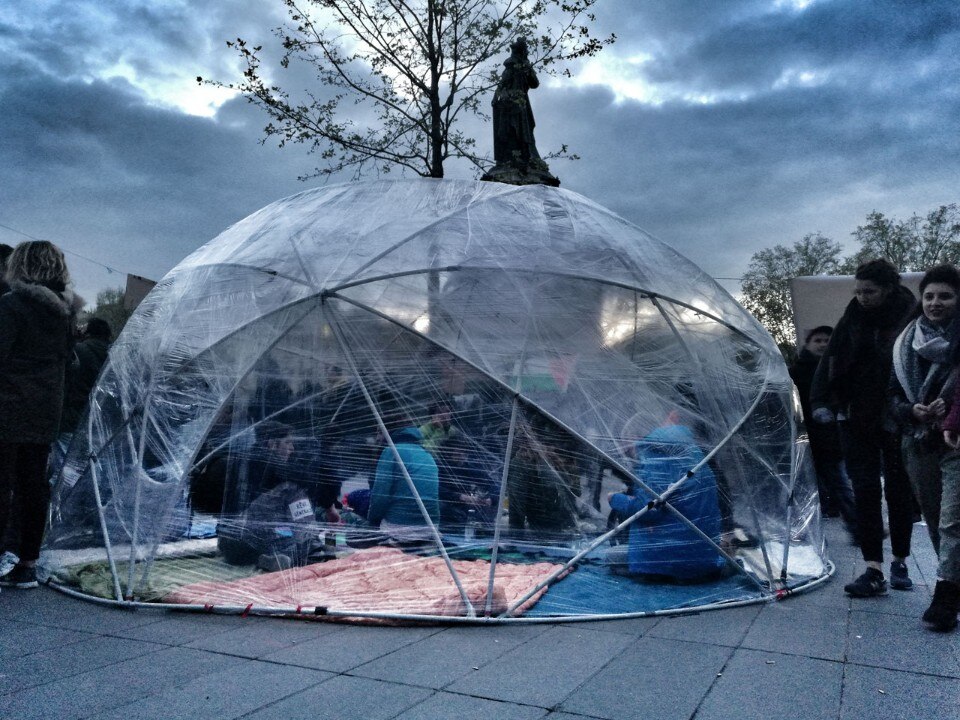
(412, 69)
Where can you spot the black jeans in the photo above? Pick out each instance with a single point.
(867, 452)
(23, 475)
(836, 493)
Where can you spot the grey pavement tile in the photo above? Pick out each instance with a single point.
(901, 644)
(716, 627)
(59, 662)
(172, 666)
(69, 698)
(654, 678)
(182, 628)
(447, 706)
(248, 686)
(256, 637)
(807, 630)
(345, 698)
(779, 685)
(829, 594)
(440, 659)
(627, 626)
(349, 646)
(872, 693)
(106, 687)
(45, 606)
(840, 550)
(547, 669)
(18, 638)
(906, 603)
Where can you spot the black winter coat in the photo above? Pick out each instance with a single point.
(854, 372)
(36, 341)
(82, 372)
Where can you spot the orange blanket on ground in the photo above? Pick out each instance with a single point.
(382, 580)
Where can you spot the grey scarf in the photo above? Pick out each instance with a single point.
(923, 339)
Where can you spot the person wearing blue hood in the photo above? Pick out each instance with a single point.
(661, 546)
(392, 503)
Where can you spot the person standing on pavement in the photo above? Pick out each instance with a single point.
(836, 495)
(922, 393)
(36, 339)
(941, 615)
(850, 386)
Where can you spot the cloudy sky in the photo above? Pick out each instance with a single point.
(720, 126)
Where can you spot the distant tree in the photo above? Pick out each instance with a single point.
(913, 245)
(409, 71)
(766, 284)
(110, 307)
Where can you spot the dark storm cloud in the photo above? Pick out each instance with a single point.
(706, 46)
(849, 35)
(721, 181)
(100, 167)
(135, 186)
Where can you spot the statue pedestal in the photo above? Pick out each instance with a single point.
(536, 174)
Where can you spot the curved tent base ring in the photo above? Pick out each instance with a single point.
(326, 613)
(539, 352)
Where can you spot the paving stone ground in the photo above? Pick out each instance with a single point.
(816, 655)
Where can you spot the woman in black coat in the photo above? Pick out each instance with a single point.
(850, 386)
(36, 322)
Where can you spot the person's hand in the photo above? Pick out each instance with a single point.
(938, 408)
(332, 515)
(824, 416)
(920, 412)
(951, 438)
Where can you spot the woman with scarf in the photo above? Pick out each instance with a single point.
(920, 389)
(850, 386)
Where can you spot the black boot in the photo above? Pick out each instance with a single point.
(942, 613)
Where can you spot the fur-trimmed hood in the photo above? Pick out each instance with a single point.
(64, 303)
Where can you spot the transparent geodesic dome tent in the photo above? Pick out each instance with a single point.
(427, 399)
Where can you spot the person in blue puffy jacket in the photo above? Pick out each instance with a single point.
(661, 545)
(392, 504)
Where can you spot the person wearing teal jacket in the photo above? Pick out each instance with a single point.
(392, 504)
(660, 544)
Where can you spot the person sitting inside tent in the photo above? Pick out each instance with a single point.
(392, 503)
(468, 495)
(661, 545)
(275, 529)
(439, 428)
(542, 486)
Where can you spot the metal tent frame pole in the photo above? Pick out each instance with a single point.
(660, 500)
(338, 333)
(144, 426)
(108, 546)
(337, 289)
(715, 408)
(494, 551)
(788, 535)
(606, 456)
(213, 418)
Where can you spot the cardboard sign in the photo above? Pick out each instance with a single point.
(300, 509)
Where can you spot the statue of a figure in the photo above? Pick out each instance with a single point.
(514, 148)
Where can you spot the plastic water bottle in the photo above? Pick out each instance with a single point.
(470, 530)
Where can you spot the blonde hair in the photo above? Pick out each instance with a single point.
(39, 262)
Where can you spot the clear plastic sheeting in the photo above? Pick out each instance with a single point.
(438, 399)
